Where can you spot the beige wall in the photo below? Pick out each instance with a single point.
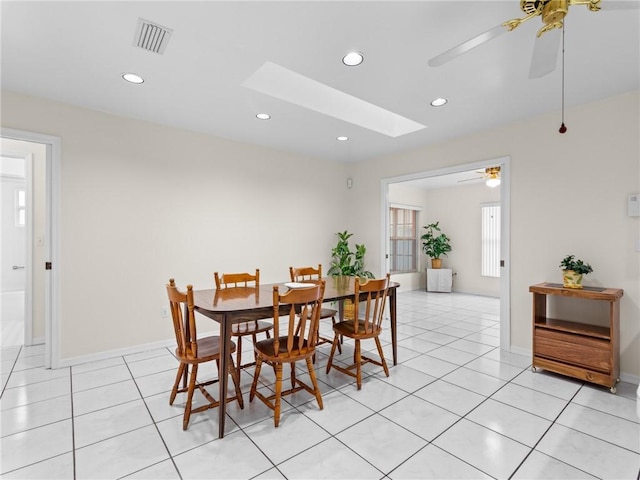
(568, 195)
(458, 211)
(142, 202)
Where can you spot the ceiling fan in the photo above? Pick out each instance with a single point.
(491, 174)
(547, 45)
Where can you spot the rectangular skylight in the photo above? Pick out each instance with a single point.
(284, 84)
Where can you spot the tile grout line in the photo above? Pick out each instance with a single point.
(153, 420)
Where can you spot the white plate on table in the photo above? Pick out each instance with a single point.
(299, 285)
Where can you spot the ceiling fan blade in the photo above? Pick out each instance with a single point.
(545, 53)
(468, 45)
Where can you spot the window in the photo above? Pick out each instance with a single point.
(21, 205)
(403, 248)
(490, 240)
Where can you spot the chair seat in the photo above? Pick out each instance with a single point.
(348, 328)
(327, 313)
(266, 348)
(251, 327)
(208, 349)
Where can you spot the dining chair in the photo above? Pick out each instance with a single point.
(253, 325)
(192, 351)
(314, 275)
(298, 310)
(370, 300)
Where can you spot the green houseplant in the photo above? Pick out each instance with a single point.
(346, 263)
(435, 243)
(573, 270)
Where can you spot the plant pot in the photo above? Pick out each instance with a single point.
(571, 279)
(348, 309)
(436, 263)
(341, 282)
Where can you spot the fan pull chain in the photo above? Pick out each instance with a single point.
(563, 127)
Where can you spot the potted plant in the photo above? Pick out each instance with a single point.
(344, 264)
(573, 270)
(435, 243)
(347, 262)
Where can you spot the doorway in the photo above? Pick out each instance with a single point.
(450, 176)
(13, 249)
(40, 238)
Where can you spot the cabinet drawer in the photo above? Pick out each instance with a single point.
(574, 349)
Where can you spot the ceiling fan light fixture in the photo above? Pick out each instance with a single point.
(438, 102)
(493, 182)
(353, 59)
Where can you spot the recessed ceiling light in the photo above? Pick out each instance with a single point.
(438, 102)
(353, 59)
(342, 139)
(132, 78)
(263, 116)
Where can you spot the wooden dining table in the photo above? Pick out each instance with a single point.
(235, 305)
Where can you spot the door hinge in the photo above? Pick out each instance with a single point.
(47, 265)
(502, 263)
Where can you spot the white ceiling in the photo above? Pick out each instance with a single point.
(75, 52)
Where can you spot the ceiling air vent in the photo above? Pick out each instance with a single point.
(151, 36)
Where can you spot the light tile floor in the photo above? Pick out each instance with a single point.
(454, 407)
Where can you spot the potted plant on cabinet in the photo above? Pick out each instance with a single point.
(573, 270)
(435, 243)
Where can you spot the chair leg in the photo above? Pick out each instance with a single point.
(333, 350)
(174, 390)
(254, 338)
(314, 381)
(293, 375)
(333, 320)
(276, 410)
(192, 386)
(236, 381)
(358, 362)
(382, 360)
(256, 374)
(239, 355)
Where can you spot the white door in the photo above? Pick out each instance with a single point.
(12, 250)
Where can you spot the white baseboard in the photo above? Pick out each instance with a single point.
(35, 341)
(94, 357)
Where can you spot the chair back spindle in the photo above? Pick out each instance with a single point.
(374, 301)
(186, 334)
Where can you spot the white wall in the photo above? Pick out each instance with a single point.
(568, 195)
(142, 203)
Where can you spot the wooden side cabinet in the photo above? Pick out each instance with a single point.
(570, 347)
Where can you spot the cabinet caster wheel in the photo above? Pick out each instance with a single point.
(612, 389)
(534, 369)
